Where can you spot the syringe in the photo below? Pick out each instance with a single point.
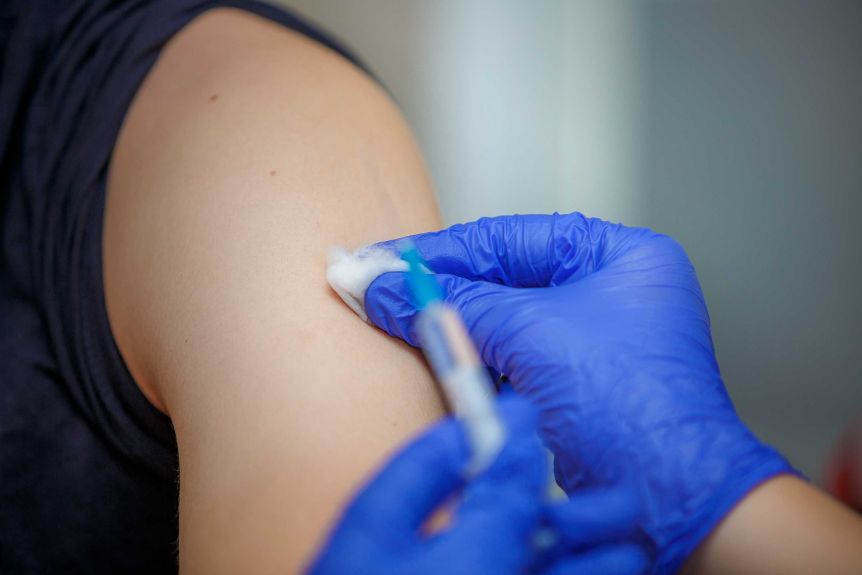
(462, 376)
(455, 363)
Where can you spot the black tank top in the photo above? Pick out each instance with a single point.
(88, 467)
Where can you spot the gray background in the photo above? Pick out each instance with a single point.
(732, 125)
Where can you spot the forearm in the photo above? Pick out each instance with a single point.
(785, 526)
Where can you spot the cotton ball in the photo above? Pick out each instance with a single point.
(350, 273)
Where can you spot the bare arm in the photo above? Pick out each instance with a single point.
(784, 527)
(247, 152)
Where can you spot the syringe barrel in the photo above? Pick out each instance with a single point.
(464, 380)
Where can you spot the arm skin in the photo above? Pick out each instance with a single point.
(248, 150)
(784, 527)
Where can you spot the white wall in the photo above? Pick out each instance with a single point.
(519, 106)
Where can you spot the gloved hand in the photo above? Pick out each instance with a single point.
(379, 532)
(605, 329)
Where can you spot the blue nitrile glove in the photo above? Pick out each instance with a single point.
(605, 329)
(380, 532)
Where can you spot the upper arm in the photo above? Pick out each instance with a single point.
(248, 150)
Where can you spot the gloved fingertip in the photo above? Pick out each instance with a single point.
(389, 307)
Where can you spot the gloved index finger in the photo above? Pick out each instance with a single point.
(536, 250)
(413, 483)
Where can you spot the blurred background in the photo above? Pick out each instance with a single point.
(732, 125)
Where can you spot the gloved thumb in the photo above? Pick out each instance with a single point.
(390, 307)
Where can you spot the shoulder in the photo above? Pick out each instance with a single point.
(231, 75)
(248, 148)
